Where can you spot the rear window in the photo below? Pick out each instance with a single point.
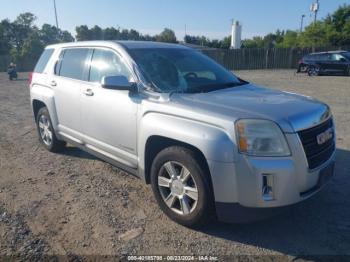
(44, 58)
(73, 63)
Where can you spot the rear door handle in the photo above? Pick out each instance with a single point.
(88, 92)
(53, 83)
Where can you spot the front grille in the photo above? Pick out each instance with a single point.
(317, 154)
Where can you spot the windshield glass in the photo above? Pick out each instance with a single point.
(182, 70)
(347, 55)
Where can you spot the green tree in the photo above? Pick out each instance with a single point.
(290, 39)
(5, 45)
(111, 33)
(314, 35)
(66, 37)
(96, 33)
(167, 35)
(31, 50)
(50, 34)
(83, 33)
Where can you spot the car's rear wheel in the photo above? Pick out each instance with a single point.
(182, 187)
(313, 71)
(46, 132)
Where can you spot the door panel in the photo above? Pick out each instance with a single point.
(109, 122)
(325, 63)
(109, 116)
(70, 71)
(67, 101)
(339, 63)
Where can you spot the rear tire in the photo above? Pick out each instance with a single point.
(46, 132)
(313, 71)
(186, 196)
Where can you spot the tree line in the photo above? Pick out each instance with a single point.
(84, 33)
(331, 31)
(24, 41)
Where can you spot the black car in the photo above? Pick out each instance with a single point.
(326, 63)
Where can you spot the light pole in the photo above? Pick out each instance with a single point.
(301, 23)
(54, 6)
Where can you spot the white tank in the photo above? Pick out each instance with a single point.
(236, 35)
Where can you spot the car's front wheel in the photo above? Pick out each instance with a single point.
(181, 186)
(46, 132)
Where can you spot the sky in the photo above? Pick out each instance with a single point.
(211, 18)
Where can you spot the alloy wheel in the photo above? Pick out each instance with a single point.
(178, 188)
(45, 130)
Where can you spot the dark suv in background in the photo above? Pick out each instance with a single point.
(324, 63)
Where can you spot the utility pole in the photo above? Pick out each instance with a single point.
(314, 8)
(54, 6)
(301, 23)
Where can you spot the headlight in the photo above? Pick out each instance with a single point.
(259, 137)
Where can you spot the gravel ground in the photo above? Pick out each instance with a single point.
(74, 204)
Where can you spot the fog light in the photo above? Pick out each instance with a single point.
(267, 187)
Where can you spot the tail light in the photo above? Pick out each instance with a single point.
(30, 78)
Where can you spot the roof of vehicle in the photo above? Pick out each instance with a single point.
(329, 52)
(125, 44)
(148, 44)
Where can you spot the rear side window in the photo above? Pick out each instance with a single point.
(308, 57)
(72, 64)
(325, 57)
(44, 58)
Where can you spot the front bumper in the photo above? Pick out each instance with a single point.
(238, 187)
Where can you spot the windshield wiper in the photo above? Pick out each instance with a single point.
(214, 87)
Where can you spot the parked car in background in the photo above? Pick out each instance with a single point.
(325, 63)
(209, 143)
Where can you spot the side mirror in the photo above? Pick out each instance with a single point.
(118, 82)
(342, 59)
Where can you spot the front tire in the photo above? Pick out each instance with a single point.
(46, 132)
(182, 187)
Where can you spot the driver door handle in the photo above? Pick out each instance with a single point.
(88, 92)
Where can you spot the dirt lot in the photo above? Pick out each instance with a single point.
(74, 204)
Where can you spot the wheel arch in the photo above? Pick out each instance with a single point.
(36, 106)
(44, 96)
(156, 143)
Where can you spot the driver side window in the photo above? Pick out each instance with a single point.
(337, 57)
(107, 63)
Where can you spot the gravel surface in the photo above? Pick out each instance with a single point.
(74, 204)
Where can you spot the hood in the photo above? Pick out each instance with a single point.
(291, 111)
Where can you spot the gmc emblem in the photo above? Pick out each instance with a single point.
(325, 136)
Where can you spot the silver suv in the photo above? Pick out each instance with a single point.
(209, 143)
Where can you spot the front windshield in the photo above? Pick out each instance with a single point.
(347, 55)
(182, 70)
